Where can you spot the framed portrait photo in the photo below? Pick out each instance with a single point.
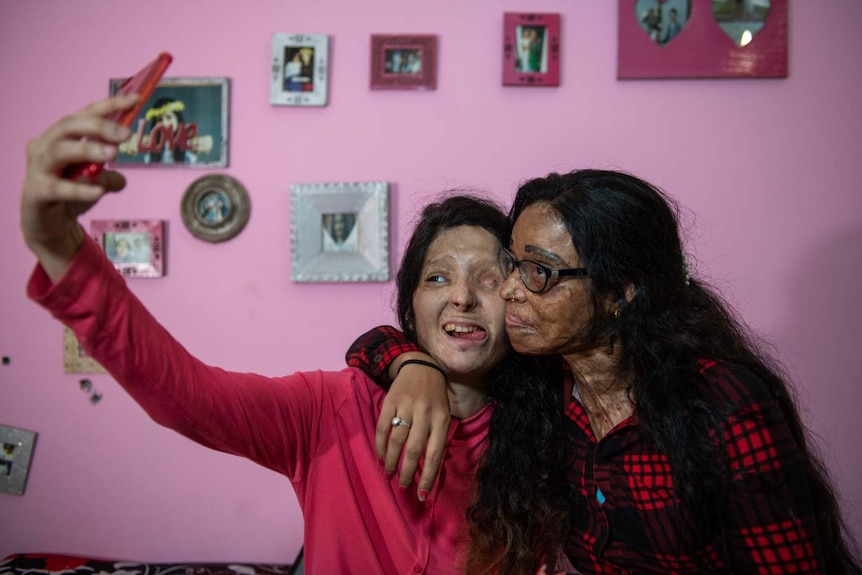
(702, 39)
(215, 208)
(402, 62)
(183, 124)
(135, 247)
(531, 49)
(339, 232)
(300, 65)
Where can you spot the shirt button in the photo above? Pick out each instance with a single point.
(417, 569)
(378, 358)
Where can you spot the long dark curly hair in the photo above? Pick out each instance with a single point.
(626, 233)
(518, 516)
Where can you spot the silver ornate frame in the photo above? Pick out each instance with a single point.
(17, 451)
(369, 261)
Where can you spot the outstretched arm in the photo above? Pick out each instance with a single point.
(258, 417)
(417, 395)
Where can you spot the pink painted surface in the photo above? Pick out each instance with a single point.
(702, 49)
(768, 172)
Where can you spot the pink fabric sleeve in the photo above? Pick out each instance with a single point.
(276, 422)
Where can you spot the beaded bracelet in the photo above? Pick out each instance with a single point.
(421, 362)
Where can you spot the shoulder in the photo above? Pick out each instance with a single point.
(730, 384)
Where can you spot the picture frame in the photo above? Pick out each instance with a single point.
(712, 39)
(215, 208)
(183, 124)
(300, 66)
(339, 232)
(16, 453)
(135, 247)
(531, 49)
(75, 359)
(403, 62)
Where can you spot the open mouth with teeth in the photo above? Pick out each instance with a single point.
(469, 332)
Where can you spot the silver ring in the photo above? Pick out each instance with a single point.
(398, 422)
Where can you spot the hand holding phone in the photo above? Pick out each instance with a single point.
(143, 83)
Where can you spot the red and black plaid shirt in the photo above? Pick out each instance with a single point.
(632, 523)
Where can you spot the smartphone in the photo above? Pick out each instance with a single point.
(143, 83)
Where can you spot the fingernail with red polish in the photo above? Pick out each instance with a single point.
(387, 475)
(423, 494)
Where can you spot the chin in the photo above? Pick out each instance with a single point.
(524, 346)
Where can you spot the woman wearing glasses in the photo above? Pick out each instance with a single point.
(686, 451)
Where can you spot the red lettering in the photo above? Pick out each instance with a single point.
(161, 135)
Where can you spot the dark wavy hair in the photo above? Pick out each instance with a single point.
(626, 232)
(518, 514)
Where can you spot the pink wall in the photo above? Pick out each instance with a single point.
(769, 167)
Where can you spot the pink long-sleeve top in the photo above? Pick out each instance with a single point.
(316, 428)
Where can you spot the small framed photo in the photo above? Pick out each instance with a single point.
(75, 359)
(403, 62)
(531, 49)
(702, 39)
(184, 123)
(135, 247)
(339, 232)
(215, 208)
(300, 65)
(16, 451)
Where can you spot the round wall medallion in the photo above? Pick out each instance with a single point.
(215, 208)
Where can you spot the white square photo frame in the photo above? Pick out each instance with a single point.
(339, 232)
(300, 65)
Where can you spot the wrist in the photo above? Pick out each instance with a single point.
(395, 365)
(424, 363)
(56, 254)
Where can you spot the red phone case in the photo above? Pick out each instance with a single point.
(143, 83)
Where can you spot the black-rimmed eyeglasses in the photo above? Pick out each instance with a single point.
(535, 276)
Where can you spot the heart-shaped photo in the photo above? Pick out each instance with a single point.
(662, 20)
(339, 232)
(741, 20)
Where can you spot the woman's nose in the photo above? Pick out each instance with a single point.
(463, 295)
(511, 285)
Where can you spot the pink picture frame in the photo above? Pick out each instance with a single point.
(708, 45)
(135, 247)
(531, 49)
(403, 62)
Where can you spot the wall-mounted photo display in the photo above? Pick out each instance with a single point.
(300, 66)
(135, 247)
(184, 123)
(702, 39)
(339, 232)
(531, 49)
(16, 451)
(75, 358)
(215, 208)
(403, 62)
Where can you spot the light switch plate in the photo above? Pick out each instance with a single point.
(16, 450)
